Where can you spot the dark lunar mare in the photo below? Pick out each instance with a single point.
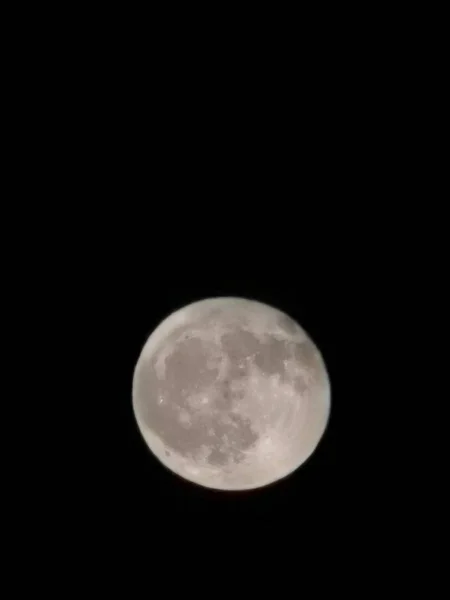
(187, 373)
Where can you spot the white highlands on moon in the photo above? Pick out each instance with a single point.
(231, 394)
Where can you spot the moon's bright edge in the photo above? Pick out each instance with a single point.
(231, 394)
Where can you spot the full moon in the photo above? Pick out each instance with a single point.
(231, 394)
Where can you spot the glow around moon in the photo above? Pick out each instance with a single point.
(231, 394)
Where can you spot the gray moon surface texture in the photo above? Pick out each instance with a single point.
(231, 394)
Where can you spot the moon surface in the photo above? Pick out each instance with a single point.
(231, 394)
